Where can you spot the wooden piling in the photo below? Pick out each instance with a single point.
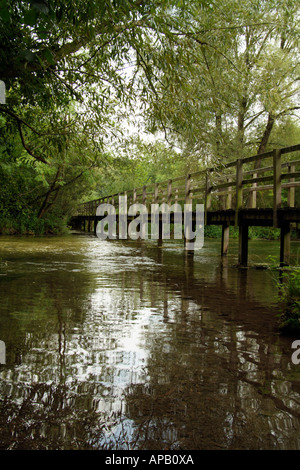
(225, 239)
(285, 244)
(243, 245)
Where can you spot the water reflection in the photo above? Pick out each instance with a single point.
(123, 345)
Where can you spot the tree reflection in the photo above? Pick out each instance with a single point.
(162, 353)
(213, 383)
(53, 417)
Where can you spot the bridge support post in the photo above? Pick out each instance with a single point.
(187, 239)
(160, 230)
(188, 217)
(225, 239)
(243, 245)
(285, 244)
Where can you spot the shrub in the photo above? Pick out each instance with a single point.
(289, 289)
(29, 224)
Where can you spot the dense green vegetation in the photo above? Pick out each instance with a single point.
(88, 83)
(289, 291)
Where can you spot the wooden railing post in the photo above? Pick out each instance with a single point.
(252, 197)
(239, 188)
(276, 184)
(291, 191)
(228, 201)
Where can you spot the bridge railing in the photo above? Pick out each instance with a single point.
(271, 182)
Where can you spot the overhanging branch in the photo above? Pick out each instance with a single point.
(28, 150)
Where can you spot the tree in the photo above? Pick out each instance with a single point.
(76, 72)
(236, 75)
(68, 91)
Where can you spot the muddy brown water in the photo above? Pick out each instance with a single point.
(123, 345)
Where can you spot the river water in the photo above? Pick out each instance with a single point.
(124, 345)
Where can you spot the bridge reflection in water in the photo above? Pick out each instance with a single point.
(124, 345)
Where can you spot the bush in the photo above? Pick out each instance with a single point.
(289, 289)
(29, 224)
(212, 231)
(255, 233)
(266, 233)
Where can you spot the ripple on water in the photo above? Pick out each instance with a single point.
(117, 344)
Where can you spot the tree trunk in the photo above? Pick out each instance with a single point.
(241, 125)
(46, 200)
(265, 138)
(218, 131)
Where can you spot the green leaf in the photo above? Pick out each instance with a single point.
(48, 56)
(28, 55)
(41, 7)
(30, 17)
(4, 12)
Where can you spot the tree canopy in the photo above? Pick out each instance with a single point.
(217, 79)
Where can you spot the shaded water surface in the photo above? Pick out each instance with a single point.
(121, 345)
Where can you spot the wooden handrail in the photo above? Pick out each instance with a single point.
(206, 186)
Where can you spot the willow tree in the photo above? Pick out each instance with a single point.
(214, 76)
(72, 81)
(229, 78)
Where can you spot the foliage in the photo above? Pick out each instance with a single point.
(81, 75)
(234, 78)
(139, 163)
(289, 288)
(72, 73)
(268, 233)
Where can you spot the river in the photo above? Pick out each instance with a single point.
(124, 345)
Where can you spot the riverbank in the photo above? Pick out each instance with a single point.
(31, 225)
(28, 224)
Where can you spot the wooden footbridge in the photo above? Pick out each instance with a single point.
(255, 191)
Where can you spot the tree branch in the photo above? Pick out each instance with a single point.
(69, 48)
(286, 111)
(51, 189)
(28, 150)
(54, 188)
(19, 120)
